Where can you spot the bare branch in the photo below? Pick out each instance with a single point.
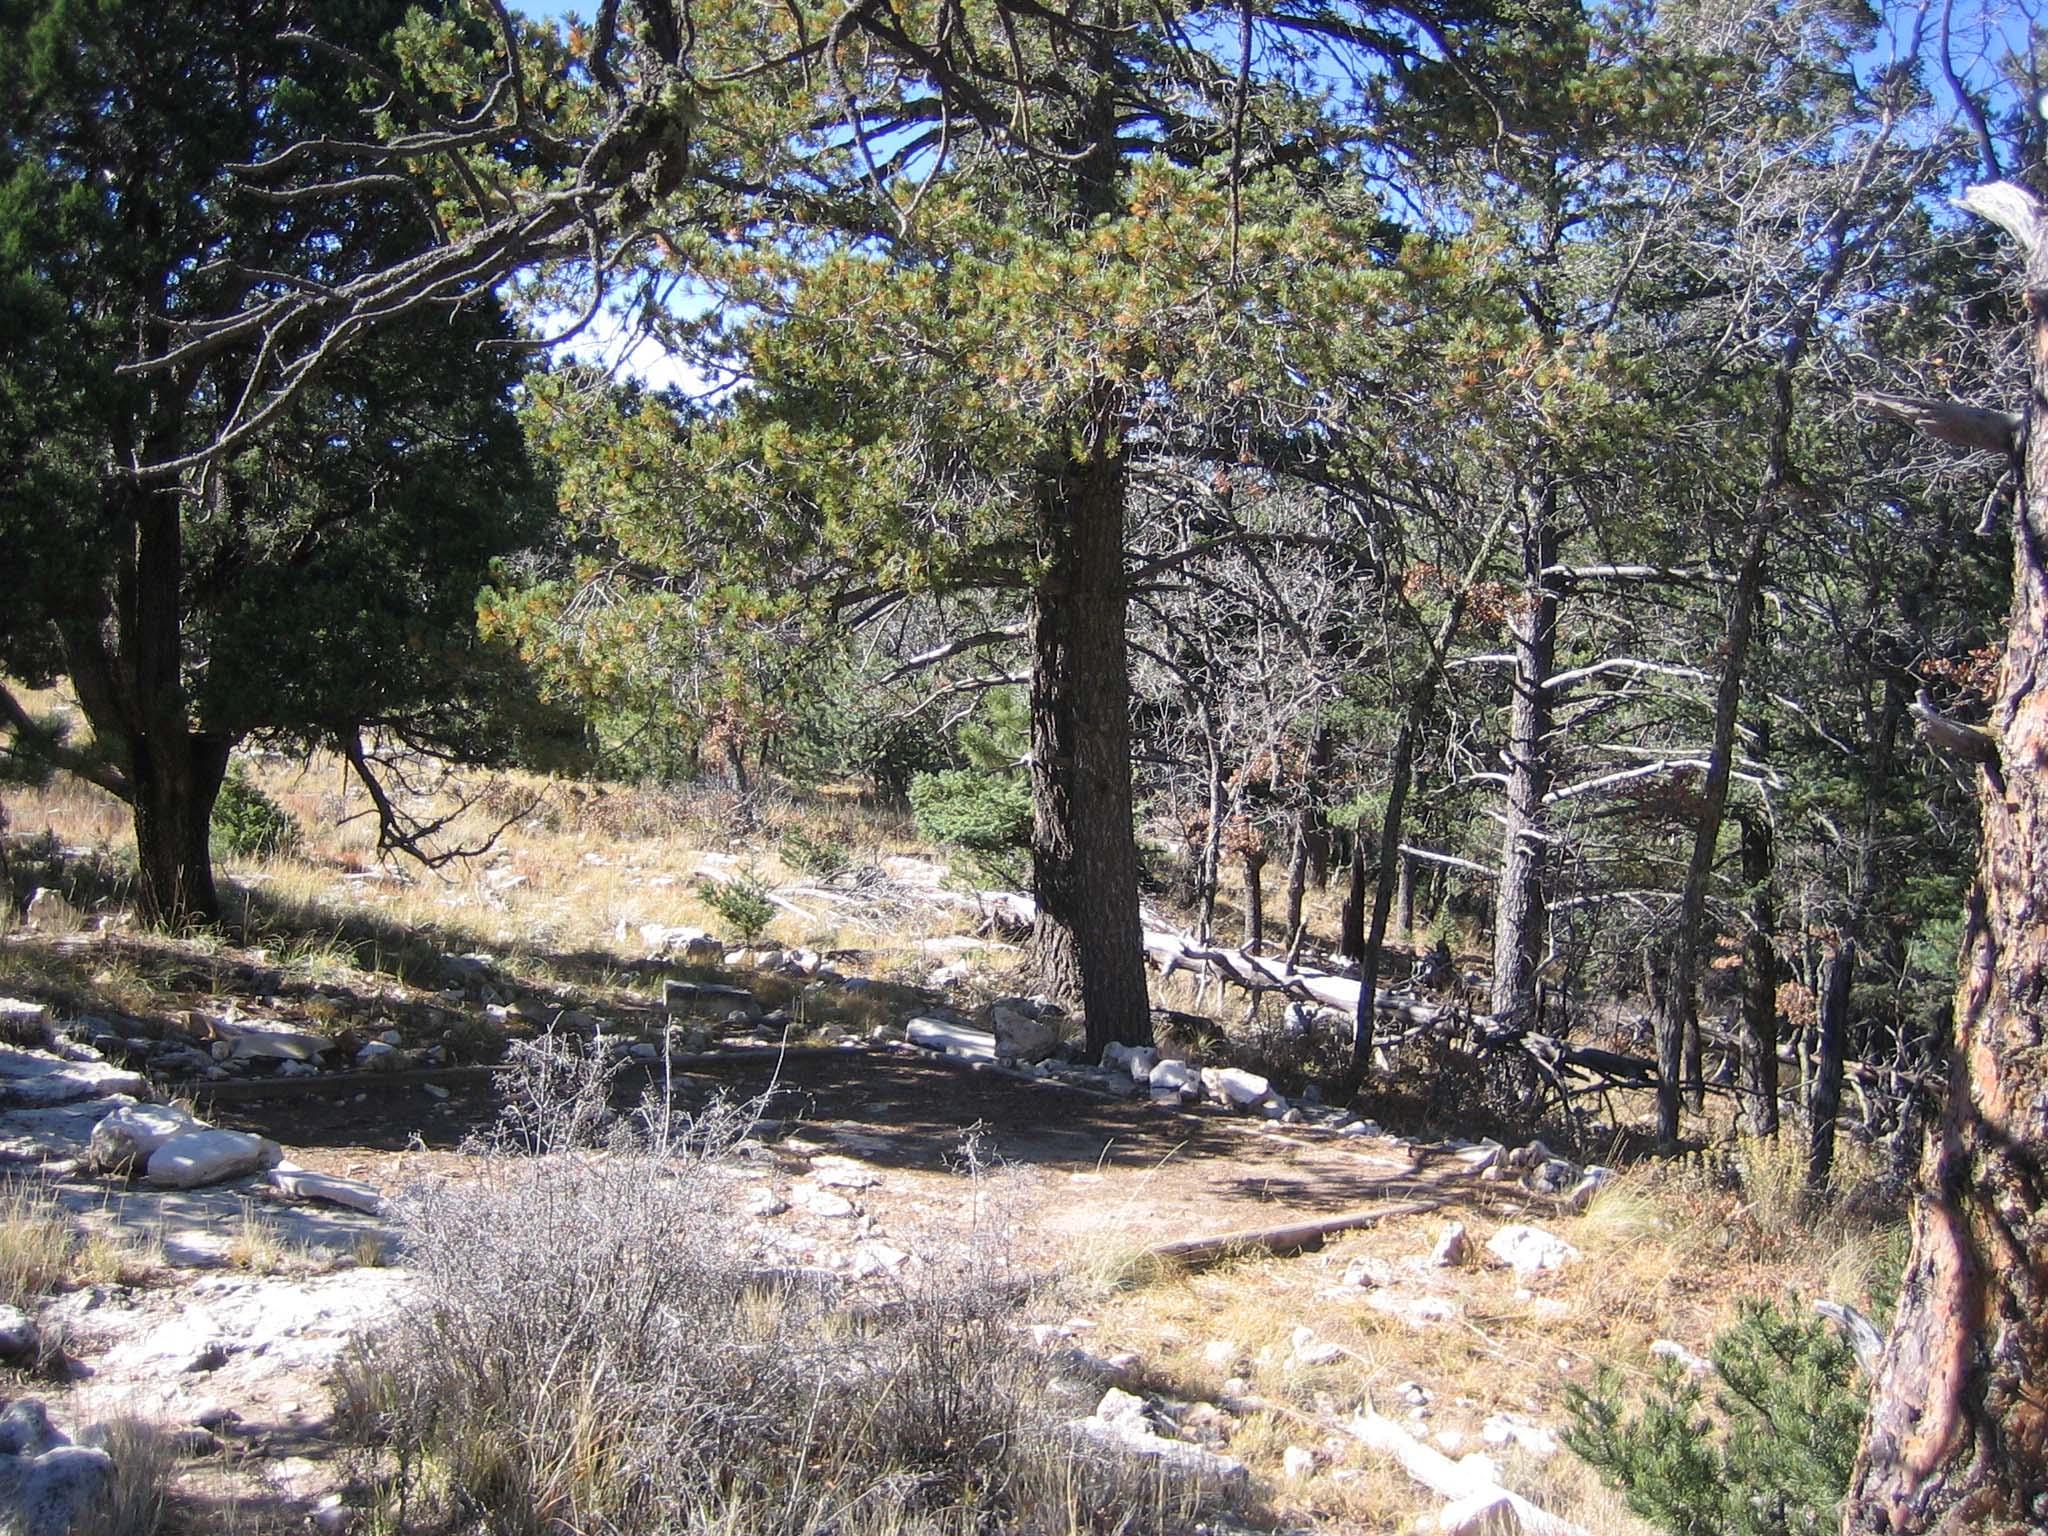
(1972, 428)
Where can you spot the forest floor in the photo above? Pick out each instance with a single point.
(221, 1314)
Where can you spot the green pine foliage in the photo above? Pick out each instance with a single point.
(248, 824)
(742, 901)
(984, 809)
(1773, 1456)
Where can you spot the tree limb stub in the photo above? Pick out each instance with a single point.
(1972, 428)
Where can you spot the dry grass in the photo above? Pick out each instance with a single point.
(35, 1244)
(145, 1462)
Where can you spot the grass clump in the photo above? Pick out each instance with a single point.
(1774, 1457)
(35, 1245)
(597, 1347)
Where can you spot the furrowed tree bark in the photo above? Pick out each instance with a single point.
(1084, 851)
(1519, 896)
(1958, 1434)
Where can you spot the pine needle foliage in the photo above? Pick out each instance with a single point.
(1772, 1457)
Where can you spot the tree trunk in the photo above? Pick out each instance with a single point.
(1211, 873)
(176, 779)
(1254, 903)
(1311, 842)
(1958, 1433)
(1759, 1060)
(1837, 975)
(1084, 852)
(1351, 923)
(1404, 896)
(1519, 896)
(1677, 1014)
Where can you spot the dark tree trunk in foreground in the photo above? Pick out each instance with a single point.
(1758, 1070)
(1084, 852)
(124, 661)
(1958, 1434)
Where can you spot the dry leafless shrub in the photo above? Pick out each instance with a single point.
(597, 1346)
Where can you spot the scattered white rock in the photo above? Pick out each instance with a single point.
(19, 1337)
(1415, 1311)
(1297, 1463)
(304, 1184)
(764, 1203)
(1530, 1251)
(877, 1259)
(42, 1078)
(951, 1039)
(1120, 1420)
(1310, 1350)
(1413, 1393)
(1173, 1074)
(1021, 1037)
(1524, 1434)
(133, 1132)
(841, 1173)
(1452, 1249)
(49, 1494)
(1591, 1182)
(820, 1202)
(332, 1516)
(1685, 1359)
(199, 1157)
(1235, 1086)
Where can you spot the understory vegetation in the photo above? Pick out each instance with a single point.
(596, 1347)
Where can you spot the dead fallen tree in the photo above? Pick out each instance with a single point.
(1292, 1238)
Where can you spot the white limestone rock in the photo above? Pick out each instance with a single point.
(132, 1133)
(19, 1336)
(210, 1157)
(50, 1494)
(1173, 1074)
(1452, 1249)
(1235, 1086)
(1021, 1037)
(39, 1079)
(1530, 1251)
(949, 1039)
(304, 1184)
(1120, 1421)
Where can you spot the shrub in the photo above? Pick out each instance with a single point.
(597, 1345)
(1774, 1460)
(248, 824)
(986, 815)
(742, 901)
(823, 857)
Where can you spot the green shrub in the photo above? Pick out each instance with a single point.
(742, 901)
(823, 857)
(985, 815)
(248, 824)
(1773, 1460)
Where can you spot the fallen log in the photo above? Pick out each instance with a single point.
(1268, 973)
(1295, 1237)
